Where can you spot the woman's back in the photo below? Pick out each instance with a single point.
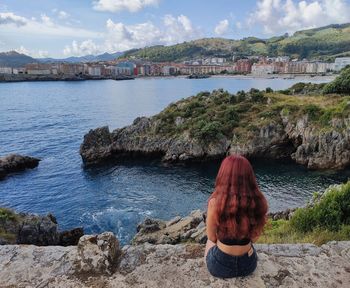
(236, 217)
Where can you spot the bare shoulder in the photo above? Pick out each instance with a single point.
(212, 203)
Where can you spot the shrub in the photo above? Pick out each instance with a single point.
(330, 212)
(313, 111)
(268, 90)
(7, 214)
(241, 95)
(341, 85)
(206, 131)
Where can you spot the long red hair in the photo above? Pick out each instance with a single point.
(241, 208)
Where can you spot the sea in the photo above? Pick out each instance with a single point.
(48, 120)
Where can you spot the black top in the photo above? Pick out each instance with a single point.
(232, 241)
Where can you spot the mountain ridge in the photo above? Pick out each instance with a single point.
(321, 43)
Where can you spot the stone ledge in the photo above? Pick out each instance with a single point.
(182, 265)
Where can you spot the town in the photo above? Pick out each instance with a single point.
(129, 68)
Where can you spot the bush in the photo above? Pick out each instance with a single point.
(313, 111)
(207, 131)
(241, 95)
(7, 214)
(268, 90)
(341, 85)
(330, 212)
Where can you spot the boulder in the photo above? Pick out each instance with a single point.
(15, 163)
(97, 254)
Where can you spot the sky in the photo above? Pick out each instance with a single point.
(45, 28)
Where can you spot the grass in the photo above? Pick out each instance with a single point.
(7, 215)
(325, 219)
(280, 231)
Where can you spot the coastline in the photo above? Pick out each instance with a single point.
(11, 78)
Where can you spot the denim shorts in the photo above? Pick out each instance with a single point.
(223, 265)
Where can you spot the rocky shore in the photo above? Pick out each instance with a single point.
(16, 163)
(24, 228)
(299, 139)
(99, 261)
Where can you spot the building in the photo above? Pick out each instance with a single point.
(19, 70)
(95, 70)
(341, 63)
(260, 69)
(243, 66)
(5, 70)
(125, 68)
(38, 69)
(70, 68)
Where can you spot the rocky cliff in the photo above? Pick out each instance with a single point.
(311, 130)
(98, 261)
(25, 228)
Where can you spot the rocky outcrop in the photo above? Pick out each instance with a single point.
(187, 229)
(98, 261)
(299, 140)
(184, 229)
(15, 163)
(33, 229)
(140, 138)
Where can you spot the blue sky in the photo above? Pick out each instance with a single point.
(45, 28)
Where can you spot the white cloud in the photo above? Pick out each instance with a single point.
(119, 5)
(22, 50)
(44, 26)
(121, 37)
(46, 20)
(239, 25)
(222, 27)
(84, 48)
(278, 16)
(10, 18)
(35, 54)
(63, 15)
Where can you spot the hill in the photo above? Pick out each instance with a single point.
(87, 58)
(320, 43)
(15, 59)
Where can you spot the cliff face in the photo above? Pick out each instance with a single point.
(265, 126)
(98, 261)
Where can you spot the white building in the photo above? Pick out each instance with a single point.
(262, 69)
(38, 71)
(94, 70)
(18, 70)
(5, 70)
(341, 63)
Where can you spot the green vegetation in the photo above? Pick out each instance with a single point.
(341, 85)
(325, 220)
(322, 43)
(7, 217)
(209, 117)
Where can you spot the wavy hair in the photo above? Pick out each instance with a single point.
(241, 208)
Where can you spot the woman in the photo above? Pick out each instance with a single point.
(235, 218)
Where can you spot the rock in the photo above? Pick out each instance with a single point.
(96, 146)
(97, 254)
(173, 221)
(70, 237)
(24, 228)
(285, 215)
(38, 230)
(181, 265)
(285, 138)
(15, 163)
(172, 232)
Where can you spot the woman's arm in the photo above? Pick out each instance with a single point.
(211, 223)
